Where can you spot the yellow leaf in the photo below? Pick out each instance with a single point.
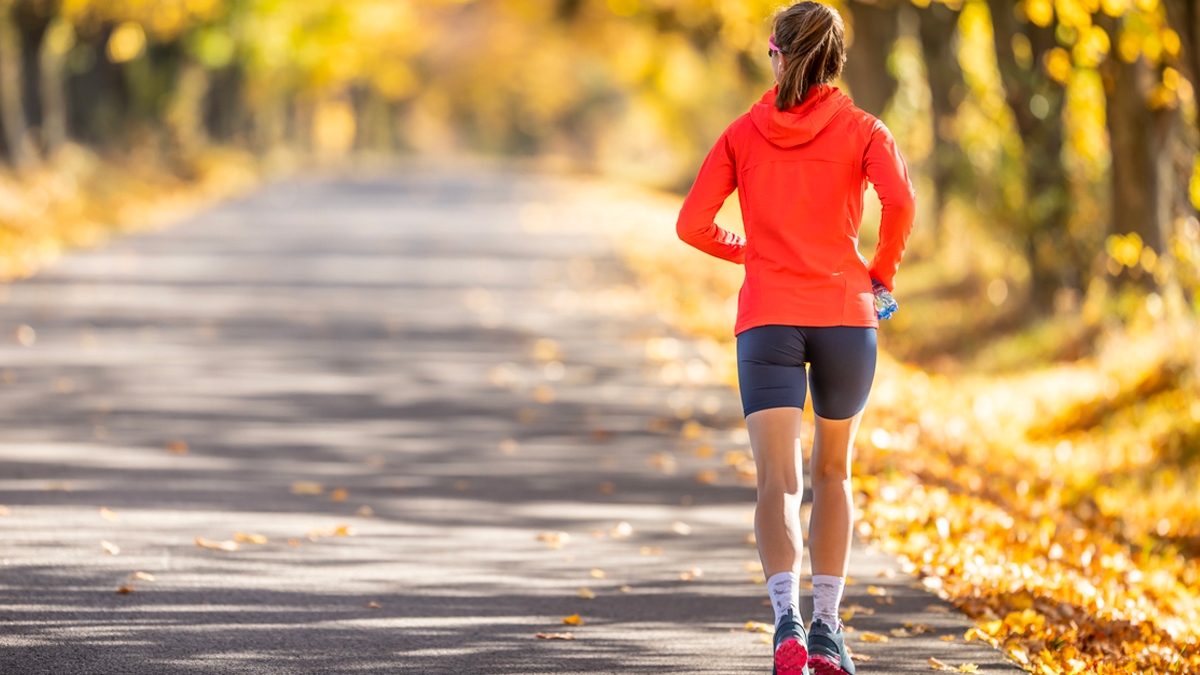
(938, 665)
(303, 487)
(573, 620)
(142, 576)
(598, 573)
(110, 548)
(249, 538)
(177, 447)
(707, 476)
(374, 605)
(967, 667)
(873, 637)
(338, 495)
(217, 545)
(586, 593)
(876, 590)
(554, 539)
(947, 638)
(756, 627)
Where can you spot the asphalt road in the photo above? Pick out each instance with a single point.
(400, 385)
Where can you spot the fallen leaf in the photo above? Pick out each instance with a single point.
(938, 665)
(876, 590)
(708, 476)
(343, 531)
(249, 538)
(110, 548)
(758, 627)
(703, 451)
(217, 545)
(886, 573)
(364, 511)
(304, 487)
(124, 590)
(623, 529)
(338, 495)
(177, 447)
(142, 576)
(606, 488)
(692, 574)
(859, 657)
(374, 605)
(508, 446)
(947, 638)
(5, 511)
(554, 539)
(650, 550)
(598, 573)
(967, 668)
(573, 620)
(586, 593)
(293, 541)
(900, 633)
(108, 514)
(680, 527)
(873, 637)
(625, 589)
(937, 609)
(556, 636)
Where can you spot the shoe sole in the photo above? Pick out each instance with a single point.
(791, 657)
(823, 665)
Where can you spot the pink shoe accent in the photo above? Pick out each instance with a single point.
(821, 665)
(790, 657)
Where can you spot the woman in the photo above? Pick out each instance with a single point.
(800, 160)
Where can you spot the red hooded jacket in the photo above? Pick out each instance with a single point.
(800, 175)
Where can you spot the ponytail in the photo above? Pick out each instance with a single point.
(811, 36)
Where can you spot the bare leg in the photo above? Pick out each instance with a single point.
(774, 438)
(830, 525)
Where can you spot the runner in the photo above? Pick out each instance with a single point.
(800, 160)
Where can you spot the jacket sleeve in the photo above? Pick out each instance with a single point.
(717, 179)
(886, 170)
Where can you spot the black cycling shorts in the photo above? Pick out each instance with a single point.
(841, 362)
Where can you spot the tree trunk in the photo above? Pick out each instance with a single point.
(1136, 136)
(939, 44)
(185, 112)
(1054, 257)
(12, 100)
(875, 26)
(60, 37)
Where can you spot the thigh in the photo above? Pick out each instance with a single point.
(771, 368)
(842, 368)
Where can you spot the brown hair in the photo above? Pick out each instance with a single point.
(810, 35)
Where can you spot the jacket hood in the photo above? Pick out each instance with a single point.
(800, 123)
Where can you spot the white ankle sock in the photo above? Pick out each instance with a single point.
(827, 595)
(784, 589)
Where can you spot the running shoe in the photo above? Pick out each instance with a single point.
(791, 647)
(827, 651)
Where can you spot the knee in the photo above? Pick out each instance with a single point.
(830, 473)
(778, 484)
